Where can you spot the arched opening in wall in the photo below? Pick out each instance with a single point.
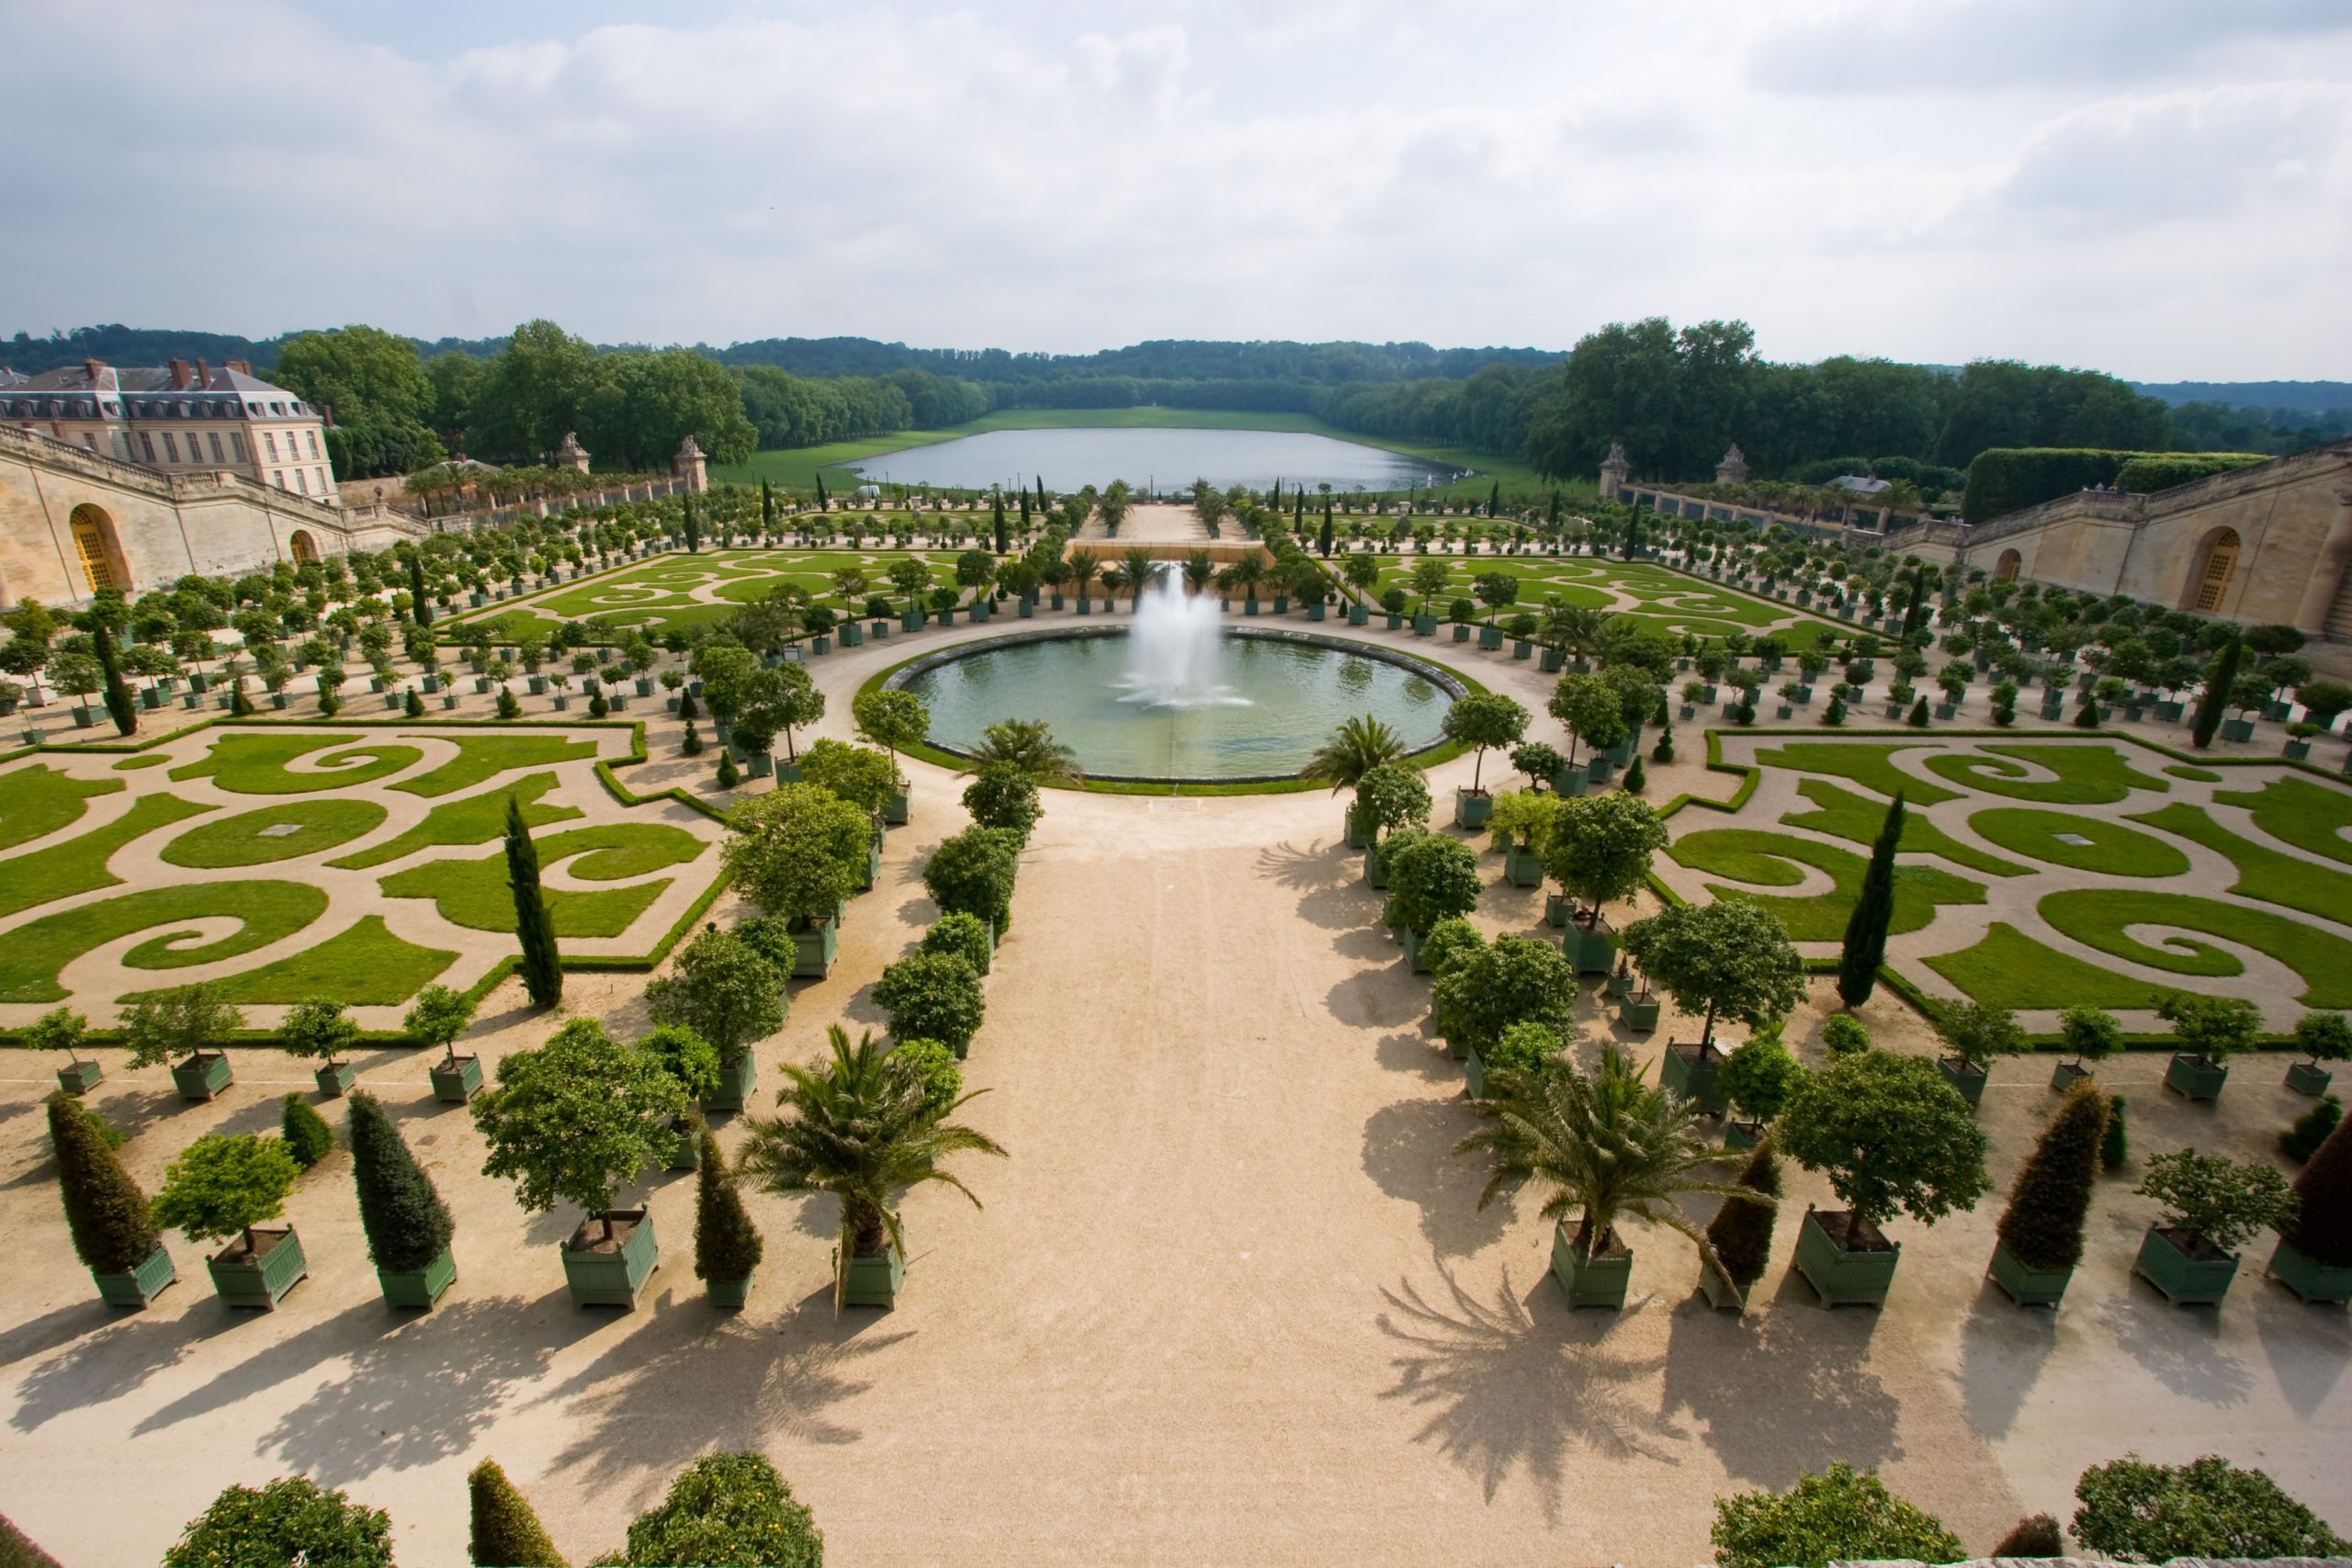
(304, 546)
(94, 542)
(2216, 560)
(2005, 569)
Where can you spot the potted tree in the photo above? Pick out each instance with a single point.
(1522, 821)
(107, 1216)
(795, 854)
(688, 1058)
(932, 996)
(1837, 1515)
(1739, 1238)
(574, 1120)
(1598, 849)
(2211, 1204)
(2211, 1031)
(1756, 1079)
(725, 989)
(862, 1128)
(1354, 750)
(2326, 1036)
(223, 1187)
(893, 719)
(1430, 878)
(62, 1028)
(2041, 1230)
(407, 1224)
(1482, 989)
(1609, 1147)
(189, 1023)
(1730, 959)
(1478, 721)
(724, 1508)
(321, 1032)
(726, 1244)
(1593, 713)
(1892, 1137)
(2093, 1035)
(974, 873)
(2135, 1512)
(289, 1520)
(1976, 1034)
(438, 1017)
(1389, 799)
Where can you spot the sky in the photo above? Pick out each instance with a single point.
(2162, 188)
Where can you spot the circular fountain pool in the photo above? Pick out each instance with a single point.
(1199, 704)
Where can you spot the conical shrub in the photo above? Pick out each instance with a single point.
(17, 1550)
(308, 1137)
(1741, 1232)
(2116, 1147)
(506, 1533)
(406, 1222)
(2043, 1226)
(104, 1208)
(2321, 1228)
(726, 1244)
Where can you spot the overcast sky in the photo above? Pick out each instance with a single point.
(2158, 188)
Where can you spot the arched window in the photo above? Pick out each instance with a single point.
(101, 555)
(304, 546)
(2211, 579)
(2005, 569)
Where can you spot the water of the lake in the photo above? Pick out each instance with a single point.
(1164, 459)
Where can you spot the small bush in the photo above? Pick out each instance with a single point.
(2115, 1147)
(1841, 1514)
(289, 1520)
(2036, 1535)
(2321, 1228)
(691, 746)
(308, 1137)
(1004, 795)
(2302, 1140)
(1741, 1233)
(1524, 1050)
(598, 707)
(965, 936)
(1449, 944)
(1636, 780)
(727, 1508)
(505, 1531)
(2152, 1513)
(934, 1064)
(509, 705)
(933, 996)
(2087, 716)
(1843, 1034)
(1918, 716)
(729, 774)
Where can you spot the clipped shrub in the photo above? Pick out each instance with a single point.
(1449, 944)
(1513, 979)
(2154, 1513)
(1741, 1233)
(690, 745)
(2302, 1140)
(1004, 795)
(933, 996)
(2321, 1228)
(17, 1550)
(1523, 1050)
(934, 1064)
(728, 987)
(406, 1222)
(1431, 878)
(686, 1055)
(289, 1520)
(965, 936)
(726, 1244)
(2115, 1147)
(729, 774)
(308, 1137)
(1918, 718)
(1636, 780)
(731, 1508)
(105, 1211)
(1758, 1078)
(973, 874)
(2043, 1226)
(510, 706)
(1843, 1034)
(2036, 1535)
(1840, 1515)
(505, 1531)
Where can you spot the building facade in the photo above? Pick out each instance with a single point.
(179, 418)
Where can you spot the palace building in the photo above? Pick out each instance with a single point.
(179, 418)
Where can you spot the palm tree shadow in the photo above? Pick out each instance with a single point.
(1516, 1385)
(1310, 870)
(1409, 1153)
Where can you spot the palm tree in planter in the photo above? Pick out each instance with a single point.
(1137, 567)
(189, 1023)
(1741, 1233)
(1481, 720)
(1358, 746)
(2211, 1205)
(1028, 744)
(726, 1244)
(862, 1128)
(1611, 1148)
(1084, 566)
(1598, 850)
(221, 1187)
(1976, 1032)
(723, 989)
(438, 1016)
(1892, 1137)
(407, 1225)
(2210, 1030)
(108, 1215)
(797, 853)
(1390, 798)
(321, 1032)
(2326, 1036)
(1727, 960)
(1757, 1079)
(62, 1028)
(2041, 1230)
(1430, 878)
(2093, 1035)
(576, 1120)
(895, 720)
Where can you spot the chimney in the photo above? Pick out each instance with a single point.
(242, 367)
(203, 377)
(91, 368)
(180, 374)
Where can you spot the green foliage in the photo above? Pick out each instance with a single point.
(239, 840)
(1977, 1033)
(2219, 1199)
(2323, 1036)
(542, 969)
(1873, 914)
(965, 936)
(2036, 1535)
(2091, 1034)
(724, 988)
(1843, 1034)
(1004, 796)
(505, 1531)
(305, 1133)
(1028, 744)
(1513, 979)
(1480, 720)
(2154, 1513)
(316, 1031)
(1524, 1050)
(510, 706)
(797, 852)
(2322, 1226)
(18, 1549)
(726, 1244)
(221, 1184)
(731, 1508)
(2310, 1129)
(1600, 846)
(1729, 959)
(1741, 1233)
(1837, 1515)
(577, 1118)
(59, 1028)
(439, 1016)
(1450, 945)
(1759, 1077)
(2213, 1029)
(1890, 1136)
(2052, 1197)
(934, 1064)
(729, 774)
(105, 1212)
(973, 874)
(1431, 878)
(864, 778)
(686, 1055)
(290, 1520)
(2115, 1148)
(178, 1023)
(1359, 744)
(406, 1222)
(2220, 678)
(1391, 796)
(2114, 850)
(2002, 479)
(1590, 709)
(1771, 859)
(932, 996)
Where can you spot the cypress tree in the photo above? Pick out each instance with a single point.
(542, 970)
(2215, 700)
(2043, 1226)
(767, 508)
(726, 1244)
(506, 1533)
(2321, 1228)
(420, 611)
(120, 706)
(1297, 507)
(1866, 928)
(104, 1208)
(406, 1222)
(1494, 499)
(1024, 515)
(821, 501)
(730, 775)
(1741, 1233)
(2116, 1148)
(998, 525)
(1323, 539)
(693, 529)
(240, 705)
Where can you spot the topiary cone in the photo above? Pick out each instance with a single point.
(105, 1210)
(726, 1244)
(2321, 1228)
(506, 1533)
(1741, 1233)
(406, 1222)
(2043, 1226)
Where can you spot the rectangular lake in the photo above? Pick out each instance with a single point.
(1166, 459)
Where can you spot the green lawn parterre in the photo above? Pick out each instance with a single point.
(680, 592)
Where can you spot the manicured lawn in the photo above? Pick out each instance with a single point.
(79, 865)
(365, 967)
(1845, 814)
(144, 760)
(2114, 850)
(2271, 875)
(2194, 775)
(257, 764)
(2296, 811)
(1871, 767)
(475, 819)
(37, 799)
(483, 756)
(474, 893)
(34, 952)
(2096, 918)
(246, 839)
(2009, 969)
(1762, 860)
(2088, 775)
(660, 596)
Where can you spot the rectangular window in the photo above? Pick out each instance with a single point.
(147, 444)
(171, 448)
(279, 475)
(237, 444)
(301, 481)
(314, 443)
(122, 445)
(89, 441)
(214, 436)
(269, 439)
(324, 488)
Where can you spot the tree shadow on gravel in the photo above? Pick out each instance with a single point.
(1409, 1153)
(118, 1360)
(2002, 1348)
(2179, 1346)
(1375, 999)
(1519, 1384)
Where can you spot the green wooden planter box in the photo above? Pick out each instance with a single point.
(1638, 1013)
(736, 1079)
(2184, 1279)
(203, 1075)
(336, 1079)
(248, 1284)
(852, 635)
(1472, 808)
(1571, 781)
(1742, 1135)
(1590, 1283)
(2065, 1075)
(1490, 639)
(893, 809)
(687, 1156)
(454, 1079)
(1690, 1071)
(1473, 1072)
(2026, 1287)
(1718, 1291)
(1598, 770)
(613, 1278)
(1373, 876)
(1521, 648)
(1411, 941)
(1396, 623)
(1552, 661)
(2303, 1077)
(80, 1077)
(2308, 1276)
(737, 1292)
(815, 949)
(142, 1285)
(2195, 1077)
(419, 1288)
(871, 872)
(873, 1281)
(1621, 986)
(1557, 912)
(1838, 1277)
(1425, 626)
(1358, 834)
(1461, 631)
(1968, 1081)
(1522, 868)
(1589, 949)
(1315, 612)
(2237, 729)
